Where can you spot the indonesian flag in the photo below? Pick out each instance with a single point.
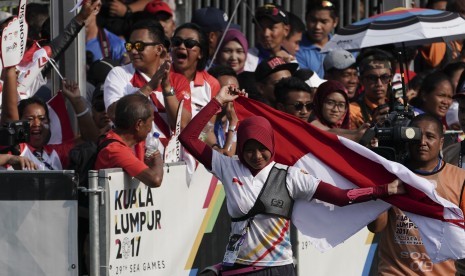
(60, 124)
(347, 164)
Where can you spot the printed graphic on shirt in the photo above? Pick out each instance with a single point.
(404, 228)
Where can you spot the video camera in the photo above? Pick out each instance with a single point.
(394, 133)
(15, 132)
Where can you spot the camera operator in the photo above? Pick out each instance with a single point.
(400, 249)
(375, 68)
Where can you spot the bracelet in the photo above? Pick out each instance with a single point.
(171, 93)
(79, 115)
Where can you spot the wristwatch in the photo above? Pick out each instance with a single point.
(168, 94)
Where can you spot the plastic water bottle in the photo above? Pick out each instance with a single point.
(151, 144)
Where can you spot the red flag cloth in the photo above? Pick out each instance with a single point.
(60, 124)
(295, 138)
(347, 164)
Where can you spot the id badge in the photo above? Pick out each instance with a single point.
(232, 250)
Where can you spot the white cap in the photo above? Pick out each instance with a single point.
(338, 59)
(314, 81)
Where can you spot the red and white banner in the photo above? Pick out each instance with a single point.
(30, 68)
(60, 124)
(347, 164)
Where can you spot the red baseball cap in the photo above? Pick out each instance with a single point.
(157, 6)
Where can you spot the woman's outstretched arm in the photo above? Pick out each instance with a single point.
(340, 197)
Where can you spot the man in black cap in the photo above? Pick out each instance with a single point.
(268, 73)
(271, 28)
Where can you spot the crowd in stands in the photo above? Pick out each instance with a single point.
(147, 73)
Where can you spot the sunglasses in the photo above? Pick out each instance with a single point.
(139, 45)
(385, 78)
(189, 43)
(299, 106)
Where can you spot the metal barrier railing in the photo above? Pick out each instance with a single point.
(349, 10)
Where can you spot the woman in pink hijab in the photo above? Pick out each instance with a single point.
(260, 192)
(331, 106)
(233, 50)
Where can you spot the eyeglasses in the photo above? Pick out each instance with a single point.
(189, 43)
(299, 106)
(138, 45)
(341, 106)
(385, 78)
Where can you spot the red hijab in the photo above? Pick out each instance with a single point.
(257, 128)
(323, 91)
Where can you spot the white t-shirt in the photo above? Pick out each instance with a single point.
(118, 84)
(267, 242)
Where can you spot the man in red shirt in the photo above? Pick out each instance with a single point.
(133, 122)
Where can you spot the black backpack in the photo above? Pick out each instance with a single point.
(82, 159)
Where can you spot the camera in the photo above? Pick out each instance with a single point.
(395, 133)
(15, 132)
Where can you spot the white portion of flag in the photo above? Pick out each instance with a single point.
(327, 225)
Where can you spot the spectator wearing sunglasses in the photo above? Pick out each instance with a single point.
(321, 19)
(294, 97)
(149, 74)
(329, 110)
(190, 53)
(372, 106)
(271, 28)
(331, 106)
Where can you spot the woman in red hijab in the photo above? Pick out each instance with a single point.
(260, 192)
(331, 105)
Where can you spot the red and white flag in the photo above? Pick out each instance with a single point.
(347, 164)
(30, 78)
(60, 124)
